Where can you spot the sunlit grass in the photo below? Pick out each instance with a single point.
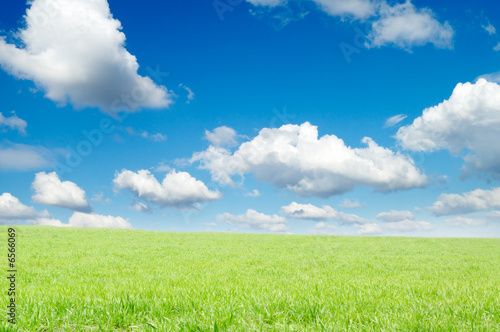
(77, 279)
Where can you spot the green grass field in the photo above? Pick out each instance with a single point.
(74, 279)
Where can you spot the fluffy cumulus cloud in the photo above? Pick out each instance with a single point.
(294, 158)
(13, 122)
(12, 209)
(468, 121)
(312, 212)
(21, 157)
(255, 220)
(222, 136)
(405, 26)
(401, 25)
(476, 200)
(50, 190)
(464, 222)
(79, 219)
(74, 51)
(178, 190)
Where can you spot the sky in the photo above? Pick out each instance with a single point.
(329, 117)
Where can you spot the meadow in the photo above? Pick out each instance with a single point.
(83, 279)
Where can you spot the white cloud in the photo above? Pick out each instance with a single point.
(267, 3)
(13, 122)
(20, 157)
(497, 47)
(476, 200)
(326, 212)
(490, 28)
(190, 92)
(400, 221)
(158, 137)
(394, 216)
(409, 226)
(394, 120)
(254, 193)
(47, 222)
(12, 209)
(49, 190)
(255, 220)
(74, 50)
(309, 211)
(210, 224)
(222, 136)
(322, 228)
(348, 204)
(140, 207)
(293, 157)
(468, 120)
(359, 9)
(368, 229)
(178, 190)
(464, 222)
(403, 25)
(79, 219)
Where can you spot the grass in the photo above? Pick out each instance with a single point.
(81, 279)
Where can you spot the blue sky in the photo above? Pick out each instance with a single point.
(308, 117)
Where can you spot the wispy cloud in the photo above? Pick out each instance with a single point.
(348, 204)
(13, 122)
(190, 92)
(394, 120)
